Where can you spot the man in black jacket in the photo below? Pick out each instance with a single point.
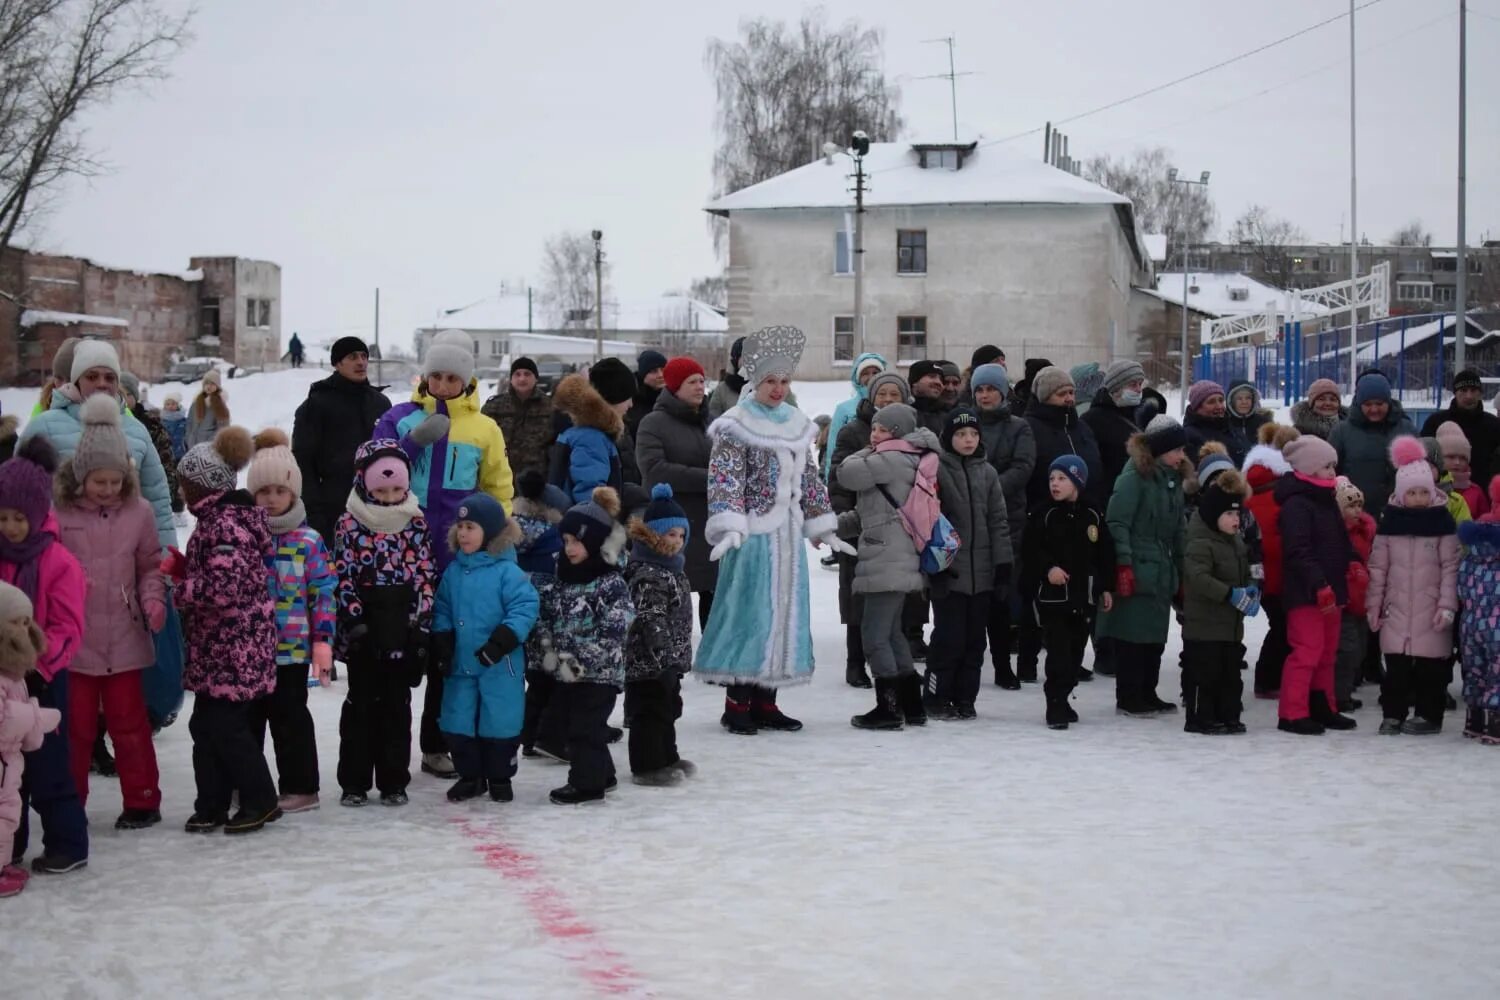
(649, 380)
(1481, 428)
(337, 417)
(926, 380)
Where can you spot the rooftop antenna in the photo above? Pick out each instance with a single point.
(951, 76)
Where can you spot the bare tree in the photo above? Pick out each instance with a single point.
(567, 285)
(1267, 238)
(58, 60)
(1413, 234)
(712, 289)
(1181, 210)
(785, 90)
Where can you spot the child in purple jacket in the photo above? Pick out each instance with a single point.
(230, 632)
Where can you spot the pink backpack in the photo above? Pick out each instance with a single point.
(922, 517)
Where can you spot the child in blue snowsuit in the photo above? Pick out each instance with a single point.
(485, 609)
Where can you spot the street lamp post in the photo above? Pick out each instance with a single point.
(598, 236)
(1187, 185)
(859, 146)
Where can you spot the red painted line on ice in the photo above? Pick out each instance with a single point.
(606, 969)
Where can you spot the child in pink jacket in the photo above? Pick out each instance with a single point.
(35, 562)
(1413, 596)
(23, 722)
(112, 532)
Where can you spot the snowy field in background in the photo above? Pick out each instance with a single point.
(1121, 858)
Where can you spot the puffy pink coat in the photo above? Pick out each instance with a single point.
(1413, 573)
(121, 555)
(22, 724)
(59, 605)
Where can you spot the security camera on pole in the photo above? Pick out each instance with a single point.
(859, 147)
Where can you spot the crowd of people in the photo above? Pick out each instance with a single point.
(533, 557)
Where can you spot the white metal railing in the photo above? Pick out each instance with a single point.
(1372, 292)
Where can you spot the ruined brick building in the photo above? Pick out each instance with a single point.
(227, 307)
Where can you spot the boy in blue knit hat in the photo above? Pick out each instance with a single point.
(486, 607)
(660, 647)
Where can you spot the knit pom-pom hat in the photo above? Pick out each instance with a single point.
(273, 464)
(214, 467)
(592, 521)
(1409, 456)
(26, 480)
(663, 513)
(1452, 440)
(101, 445)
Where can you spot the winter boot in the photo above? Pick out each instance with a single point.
(1317, 703)
(1005, 677)
(1057, 713)
(1390, 727)
(1418, 726)
(886, 714)
(298, 803)
(394, 799)
(685, 767)
(12, 880)
(251, 820)
(501, 791)
(736, 718)
(937, 694)
(1491, 737)
(1306, 726)
(567, 795)
(137, 819)
(1474, 723)
(909, 694)
(353, 800)
(1350, 705)
(855, 676)
(439, 765)
(767, 716)
(56, 864)
(664, 777)
(465, 788)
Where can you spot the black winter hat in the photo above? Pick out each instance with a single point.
(1467, 379)
(984, 355)
(921, 369)
(1225, 493)
(345, 346)
(613, 380)
(523, 364)
(648, 362)
(957, 420)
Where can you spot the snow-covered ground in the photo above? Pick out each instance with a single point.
(1120, 858)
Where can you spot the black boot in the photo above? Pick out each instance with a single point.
(855, 676)
(767, 715)
(909, 693)
(1323, 713)
(1301, 727)
(465, 789)
(736, 717)
(1005, 677)
(887, 711)
(1474, 723)
(1057, 713)
(937, 695)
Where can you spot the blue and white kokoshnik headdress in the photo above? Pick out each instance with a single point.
(775, 350)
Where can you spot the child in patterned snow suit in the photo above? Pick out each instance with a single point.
(538, 508)
(383, 558)
(1479, 626)
(23, 722)
(579, 638)
(485, 609)
(303, 585)
(660, 648)
(230, 631)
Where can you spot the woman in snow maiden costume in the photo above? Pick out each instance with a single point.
(764, 497)
(455, 450)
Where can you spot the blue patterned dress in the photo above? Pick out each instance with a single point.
(763, 484)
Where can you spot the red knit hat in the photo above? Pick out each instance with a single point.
(678, 371)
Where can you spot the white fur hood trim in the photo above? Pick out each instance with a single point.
(1267, 457)
(744, 425)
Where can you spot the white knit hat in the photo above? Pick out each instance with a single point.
(273, 463)
(451, 351)
(94, 354)
(14, 603)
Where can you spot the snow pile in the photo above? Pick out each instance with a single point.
(36, 317)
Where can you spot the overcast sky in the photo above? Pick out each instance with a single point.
(430, 149)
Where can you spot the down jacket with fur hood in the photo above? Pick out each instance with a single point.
(888, 559)
(1147, 526)
(586, 454)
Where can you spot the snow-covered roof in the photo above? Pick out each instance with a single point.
(509, 313)
(991, 175)
(36, 317)
(1225, 293)
(1392, 341)
(1156, 245)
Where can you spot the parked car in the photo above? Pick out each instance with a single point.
(187, 372)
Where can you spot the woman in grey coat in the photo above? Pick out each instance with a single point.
(209, 413)
(672, 447)
(889, 565)
(974, 503)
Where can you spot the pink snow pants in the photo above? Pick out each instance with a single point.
(1314, 638)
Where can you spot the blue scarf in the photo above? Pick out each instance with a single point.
(641, 552)
(778, 414)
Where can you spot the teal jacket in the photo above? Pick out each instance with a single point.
(62, 426)
(844, 412)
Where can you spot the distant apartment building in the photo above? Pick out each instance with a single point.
(227, 307)
(1423, 279)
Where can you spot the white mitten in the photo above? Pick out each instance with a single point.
(837, 544)
(731, 540)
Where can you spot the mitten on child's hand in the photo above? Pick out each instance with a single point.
(156, 615)
(48, 719)
(430, 430)
(1328, 602)
(1242, 599)
(837, 544)
(174, 565)
(1125, 581)
(322, 657)
(502, 642)
(1443, 619)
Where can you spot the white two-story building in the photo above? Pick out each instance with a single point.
(964, 245)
